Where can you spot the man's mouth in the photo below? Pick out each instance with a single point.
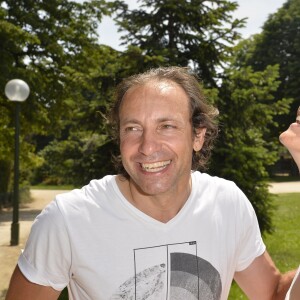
(155, 167)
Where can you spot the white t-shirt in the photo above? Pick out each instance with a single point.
(93, 240)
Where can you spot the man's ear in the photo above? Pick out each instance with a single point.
(199, 139)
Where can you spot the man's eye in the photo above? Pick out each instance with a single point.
(168, 126)
(131, 128)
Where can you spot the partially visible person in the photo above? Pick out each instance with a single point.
(294, 291)
(291, 139)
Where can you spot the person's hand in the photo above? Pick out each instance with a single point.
(291, 139)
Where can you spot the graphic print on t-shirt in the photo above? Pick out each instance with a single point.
(171, 272)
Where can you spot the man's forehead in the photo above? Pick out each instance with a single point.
(157, 100)
(161, 86)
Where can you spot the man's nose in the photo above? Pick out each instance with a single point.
(149, 143)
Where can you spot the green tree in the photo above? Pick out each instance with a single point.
(40, 39)
(76, 160)
(279, 43)
(45, 43)
(178, 32)
(246, 148)
(84, 151)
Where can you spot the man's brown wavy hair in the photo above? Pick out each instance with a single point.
(202, 114)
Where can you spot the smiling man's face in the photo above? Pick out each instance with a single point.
(156, 137)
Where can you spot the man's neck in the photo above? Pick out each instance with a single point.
(162, 208)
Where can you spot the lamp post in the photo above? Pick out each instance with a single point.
(16, 90)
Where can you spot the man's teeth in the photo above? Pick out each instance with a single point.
(155, 167)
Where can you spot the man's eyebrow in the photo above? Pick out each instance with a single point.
(129, 121)
(172, 119)
(158, 120)
(166, 119)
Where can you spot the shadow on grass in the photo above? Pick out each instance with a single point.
(284, 178)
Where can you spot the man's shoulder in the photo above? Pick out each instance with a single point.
(218, 191)
(216, 187)
(206, 179)
(95, 189)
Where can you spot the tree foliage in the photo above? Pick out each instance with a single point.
(279, 43)
(246, 147)
(41, 41)
(50, 45)
(178, 32)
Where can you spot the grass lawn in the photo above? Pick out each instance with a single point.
(284, 244)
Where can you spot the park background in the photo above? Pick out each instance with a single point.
(66, 138)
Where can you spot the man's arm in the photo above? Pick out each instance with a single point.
(22, 289)
(262, 280)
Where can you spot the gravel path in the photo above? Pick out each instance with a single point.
(9, 254)
(285, 187)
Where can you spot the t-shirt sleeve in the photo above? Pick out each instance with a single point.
(46, 259)
(250, 243)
